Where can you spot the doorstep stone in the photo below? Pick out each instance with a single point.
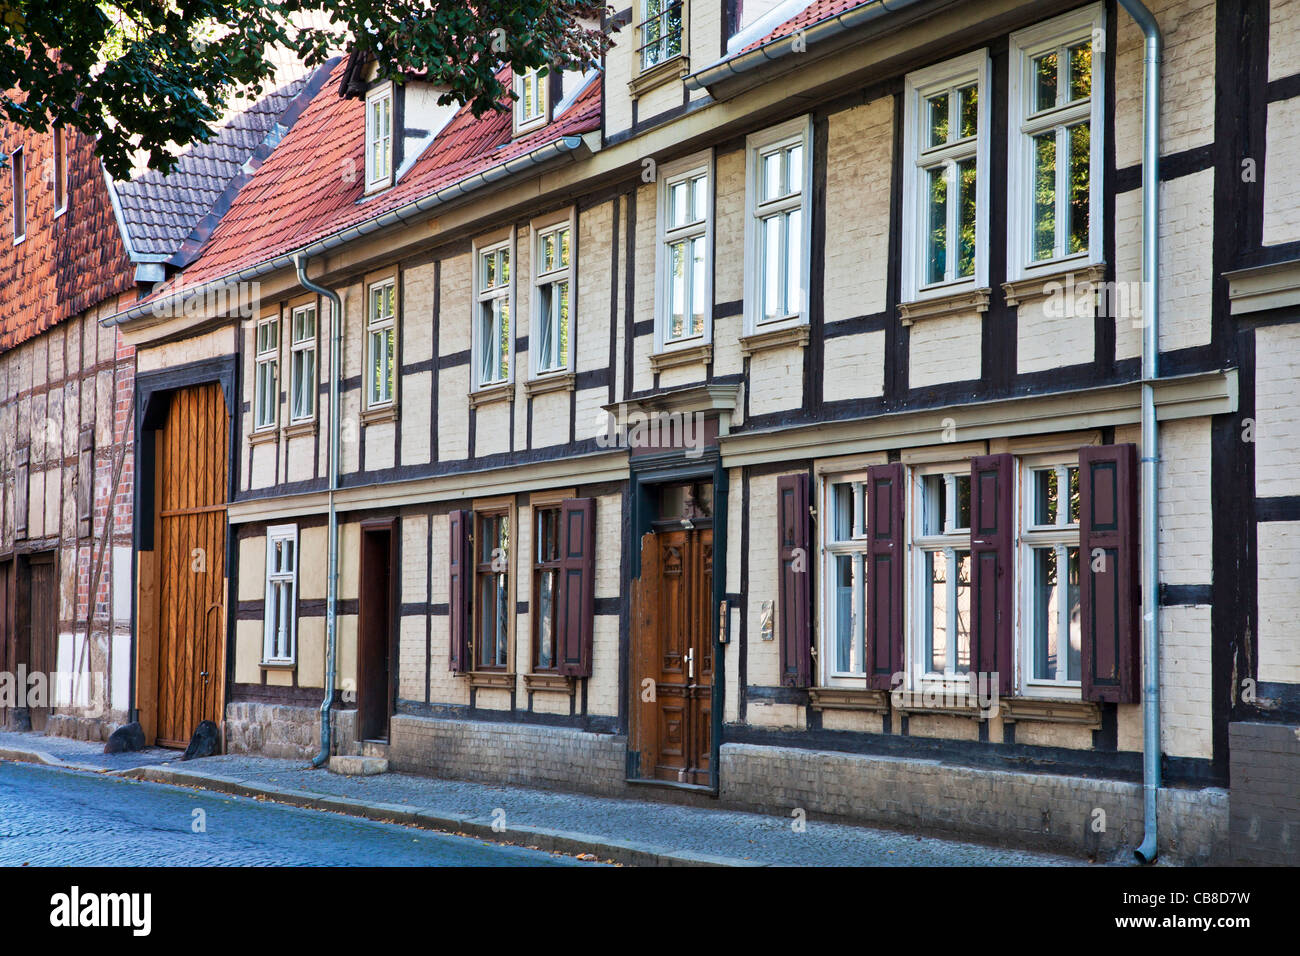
(356, 766)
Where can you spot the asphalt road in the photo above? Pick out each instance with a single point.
(51, 817)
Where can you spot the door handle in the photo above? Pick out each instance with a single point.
(690, 663)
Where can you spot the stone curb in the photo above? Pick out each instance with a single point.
(561, 841)
(33, 756)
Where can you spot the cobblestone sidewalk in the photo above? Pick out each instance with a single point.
(629, 831)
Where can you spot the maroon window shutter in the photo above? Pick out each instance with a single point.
(794, 562)
(1108, 572)
(885, 556)
(577, 586)
(992, 568)
(460, 586)
(85, 480)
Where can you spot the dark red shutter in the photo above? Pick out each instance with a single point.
(1109, 595)
(85, 480)
(885, 557)
(460, 568)
(577, 587)
(794, 559)
(992, 568)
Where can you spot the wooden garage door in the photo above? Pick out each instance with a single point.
(191, 538)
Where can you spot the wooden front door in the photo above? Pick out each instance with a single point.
(191, 539)
(376, 613)
(42, 630)
(674, 652)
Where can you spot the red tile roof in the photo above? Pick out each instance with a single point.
(66, 264)
(312, 186)
(814, 13)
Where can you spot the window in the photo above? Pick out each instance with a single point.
(1055, 148)
(379, 138)
(1051, 623)
(942, 573)
(381, 343)
(492, 606)
(60, 183)
(845, 550)
(546, 582)
(19, 172)
(492, 325)
(779, 184)
(266, 397)
(685, 253)
(281, 616)
(531, 105)
(661, 32)
(554, 294)
(946, 140)
(302, 367)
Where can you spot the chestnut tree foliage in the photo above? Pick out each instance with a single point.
(149, 76)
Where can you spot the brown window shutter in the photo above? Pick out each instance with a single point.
(86, 481)
(992, 519)
(460, 568)
(577, 587)
(20, 491)
(885, 557)
(1108, 572)
(795, 563)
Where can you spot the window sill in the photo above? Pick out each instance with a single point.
(298, 429)
(675, 357)
(550, 683)
(1052, 710)
(493, 680)
(532, 125)
(659, 75)
(264, 436)
(796, 335)
(549, 382)
(505, 392)
(849, 698)
(942, 306)
(278, 665)
(379, 415)
(913, 702)
(1034, 288)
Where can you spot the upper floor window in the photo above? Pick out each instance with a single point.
(779, 185)
(685, 287)
(18, 168)
(302, 368)
(531, 105)
(266, 378)
(379, 137)
(60, 171)
(492, 326)
(552, 315)
(1056, 154)
(946, 142)
(1049, 542)
(381, 343)
(280, 616)
(845, 549)
(661, 31)
(942, 572)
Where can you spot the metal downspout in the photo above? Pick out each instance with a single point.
(1147, 852)
(332, 576)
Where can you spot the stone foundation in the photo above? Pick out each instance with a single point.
(80, 728)
(280, 730)
(1265, 773)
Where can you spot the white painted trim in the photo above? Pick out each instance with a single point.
(380, 92)
(667, 175)
(538, 228)
(789, 132)
(283, 532)
(500, 240)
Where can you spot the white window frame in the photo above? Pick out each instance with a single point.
(18, 184)
(1088, 23)
(661, 45)
(948, 542)
(856, 545)
(288, 618)
(377, 178)
(795, 131)
(59, 149)
(669, 175)
(377, 324)
(483, 297)
(540, 230)
(1062, 535)
(541, 90)
(919, 87)
(263, 357)
(296, 346)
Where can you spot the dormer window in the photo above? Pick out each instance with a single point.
(532, 104)
(18, 170)
(661, 32)
(379, 138)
